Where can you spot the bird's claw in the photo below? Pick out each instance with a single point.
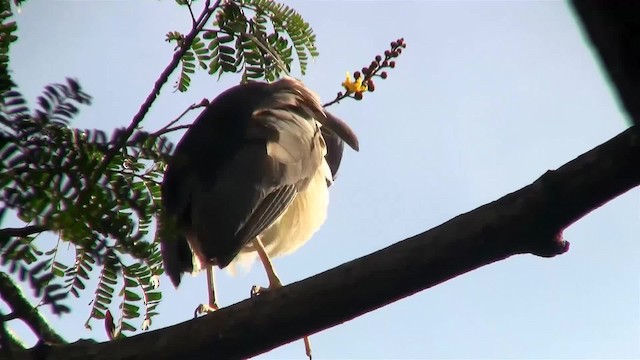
(258, 290)
(204, 309)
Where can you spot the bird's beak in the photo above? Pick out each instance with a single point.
(341, 129)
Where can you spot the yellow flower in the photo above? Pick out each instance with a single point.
(354, 86)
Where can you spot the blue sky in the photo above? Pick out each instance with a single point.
(487, 97)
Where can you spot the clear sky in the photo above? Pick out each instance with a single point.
(487, 97)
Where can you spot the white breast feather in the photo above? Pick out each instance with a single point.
(296, 225)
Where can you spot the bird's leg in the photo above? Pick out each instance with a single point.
(274, 282)
(307, 347)
(213, 301)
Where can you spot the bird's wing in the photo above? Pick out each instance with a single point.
(267, 211)
(238, 168)
(281, 152)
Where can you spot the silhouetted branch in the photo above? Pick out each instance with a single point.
(530, 220)
(167, 128)
(22, 232)
(164, 76)
(21, 308)
(9, 342)
(613, 27)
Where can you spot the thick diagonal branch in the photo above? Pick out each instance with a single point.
(21, 308)
(530, 220)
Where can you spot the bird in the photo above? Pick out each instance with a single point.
(250, 177)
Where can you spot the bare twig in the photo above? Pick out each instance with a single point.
(164, 76)
(22, 308)
(267, 48)
(164, 129)
(171, 129)
(193, 17)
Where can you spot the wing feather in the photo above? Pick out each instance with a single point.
(240, 166)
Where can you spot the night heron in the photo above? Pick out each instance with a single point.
(251, 175)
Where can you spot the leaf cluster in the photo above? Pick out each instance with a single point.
(8, 28)
(259, 39)
(46, 177)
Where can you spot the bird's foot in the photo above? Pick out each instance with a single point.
(273, 284)
(204, 309)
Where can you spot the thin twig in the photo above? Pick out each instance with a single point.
(171, 129)
(266, 47)
(22, 308)
(202, 103)
(193, 17)
(164, 77)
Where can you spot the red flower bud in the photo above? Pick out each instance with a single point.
(371, 86)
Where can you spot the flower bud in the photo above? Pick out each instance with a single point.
(356, 75)
(371, 86)
(383, 75)
(378, 58)
(357, 96)
(392, 64)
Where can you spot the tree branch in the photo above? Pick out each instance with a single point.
(164, 76)
(167, 128)
(613, 27)
(530, 220)
(9, 342)
(22, 308)
(21, 232)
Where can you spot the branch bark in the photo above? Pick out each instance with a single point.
(22, 309)
(7, 233)
(530, 220)
(614, 29)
